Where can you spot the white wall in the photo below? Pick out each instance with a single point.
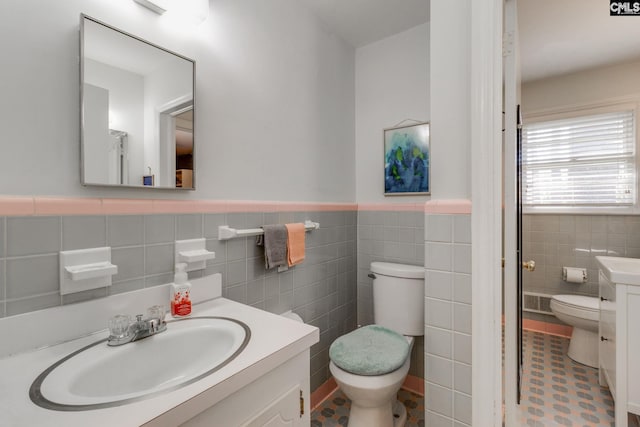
(274, 93)
(583, 87)
(450, 62)
(392, 84)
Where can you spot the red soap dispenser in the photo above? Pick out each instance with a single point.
(180, 293)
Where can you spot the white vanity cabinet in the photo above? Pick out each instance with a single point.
(619, 346)
(277, 399)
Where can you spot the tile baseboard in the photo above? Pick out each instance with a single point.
(547, 328)
(320, 394)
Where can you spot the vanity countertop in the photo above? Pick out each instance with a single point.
(620, 270)
(274, 340)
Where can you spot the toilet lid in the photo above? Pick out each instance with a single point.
(370, 350)
(578, 301)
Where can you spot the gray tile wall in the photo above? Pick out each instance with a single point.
(554, 241)
(322, 289)
(448, 320)
(390, 237)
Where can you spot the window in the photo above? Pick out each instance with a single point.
(580, 161)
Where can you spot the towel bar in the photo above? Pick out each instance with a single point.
(225, 232)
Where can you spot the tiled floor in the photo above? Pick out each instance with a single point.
(556, 390)
(334, 411)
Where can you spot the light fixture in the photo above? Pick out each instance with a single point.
(195, 11)
(154, 5)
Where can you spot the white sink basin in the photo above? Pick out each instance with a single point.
(100, 376)
(620, 270)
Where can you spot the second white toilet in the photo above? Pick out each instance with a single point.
(581, 312)
(371, 363)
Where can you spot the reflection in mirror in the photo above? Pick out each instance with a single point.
(137, 111)
(117, 159)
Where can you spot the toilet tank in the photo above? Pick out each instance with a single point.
(398, 297)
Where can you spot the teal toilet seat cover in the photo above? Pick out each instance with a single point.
(370, 350)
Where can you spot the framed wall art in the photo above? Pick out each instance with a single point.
(407, 160)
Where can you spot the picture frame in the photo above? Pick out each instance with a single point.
(407, 160)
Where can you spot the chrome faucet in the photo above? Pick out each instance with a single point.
(123, 330)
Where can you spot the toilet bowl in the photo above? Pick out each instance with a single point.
(581, 312)
(371, 363)
(373, 397)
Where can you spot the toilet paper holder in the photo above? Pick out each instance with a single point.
(574, 275)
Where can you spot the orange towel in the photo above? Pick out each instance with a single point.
(295, 243)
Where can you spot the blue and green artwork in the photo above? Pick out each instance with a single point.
(406, 160)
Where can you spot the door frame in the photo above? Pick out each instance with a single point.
(486, 217)
(510, 281)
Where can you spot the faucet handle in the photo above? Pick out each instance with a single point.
(156, 312)
(119, 325)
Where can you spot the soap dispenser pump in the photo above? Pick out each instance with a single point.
(180, 292)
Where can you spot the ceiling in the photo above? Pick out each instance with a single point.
(361, 22)
(559, 37)
(556, 37)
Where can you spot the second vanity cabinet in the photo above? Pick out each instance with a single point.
(607, 333)
(619, 345)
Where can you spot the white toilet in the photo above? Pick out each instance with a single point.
(581, 312)
(371, 363)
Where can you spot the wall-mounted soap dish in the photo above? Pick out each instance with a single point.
(85, 269)
(194, 253)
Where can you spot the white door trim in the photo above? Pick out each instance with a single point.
(486, 216)
(511, 99)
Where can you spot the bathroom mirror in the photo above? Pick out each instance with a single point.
(137, 111)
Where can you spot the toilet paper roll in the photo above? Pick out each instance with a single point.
(574, 275)
(293, 316)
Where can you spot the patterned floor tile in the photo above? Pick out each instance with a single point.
(334, 411)
(556, 391)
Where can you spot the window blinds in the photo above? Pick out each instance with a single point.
(587, 160)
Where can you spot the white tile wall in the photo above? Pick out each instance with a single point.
(448, 324)
(438, 256)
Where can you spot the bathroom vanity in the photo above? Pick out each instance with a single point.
(619, 346)
(267, 383)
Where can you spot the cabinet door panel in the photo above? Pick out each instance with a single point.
(283, 412)
(607, 330)
(633, 350)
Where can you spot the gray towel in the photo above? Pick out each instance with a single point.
(275, 245)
